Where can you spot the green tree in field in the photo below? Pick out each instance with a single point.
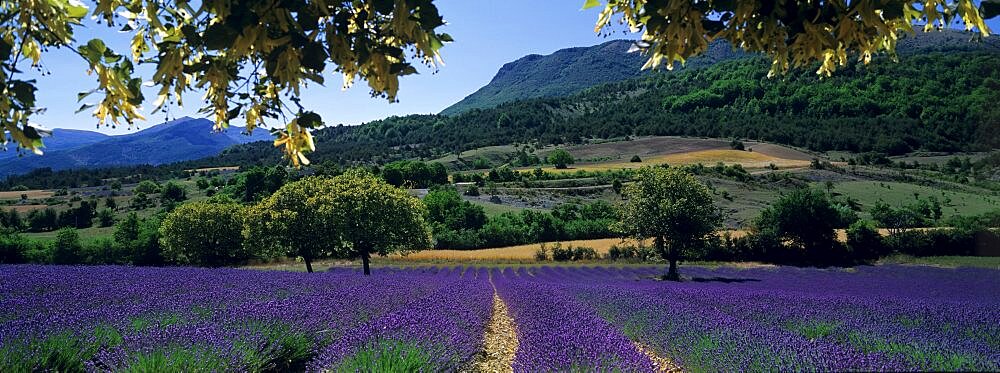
(354, 215)
(205, 234)
(374, 217)
(561, 158)
(105, 218)
(671, 207)
(111, 204)
(806, 219)
(296, 220)
(201, 183)
(67, 248)
(146, 187)
(173, 192)
(139, 240)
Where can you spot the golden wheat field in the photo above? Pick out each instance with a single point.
(705, 157)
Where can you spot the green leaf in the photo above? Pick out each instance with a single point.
(445, 38)
(591, 3)
(76, 9)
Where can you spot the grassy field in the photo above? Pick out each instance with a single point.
(897, 194)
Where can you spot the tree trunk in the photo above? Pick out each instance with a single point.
(672, 257)
(365, 259)
(309, 264)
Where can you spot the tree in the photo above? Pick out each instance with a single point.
(353, 215)
(140, 201)
(66, 249)
(110, 203)
(220, 47)
(635, 159)
(806, 219)
(105, 218)
(296, 221)
(376, 218)
(791, 33)
(146, 187)
(205, 234)
(139, 240)
(670, 206)
(560, 158)
(116, 185)
(173, 192)
(201, 183)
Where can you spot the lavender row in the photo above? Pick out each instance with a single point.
(556, 333)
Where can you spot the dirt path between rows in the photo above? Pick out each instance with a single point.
(499, 341)
(662, 364)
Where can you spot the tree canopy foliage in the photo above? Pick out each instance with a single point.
(205, 234)
(353, 215)
(791, 33)
(251, 58)
(671, 207)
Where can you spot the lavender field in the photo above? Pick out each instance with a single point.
(884, 318)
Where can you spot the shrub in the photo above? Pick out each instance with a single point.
(635, 159)
(473, 191)
(205, 234)
(561, 254)
(542, 254)
(13, 247)
(584, 253)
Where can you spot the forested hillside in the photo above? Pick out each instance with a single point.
(568, 71)
(941, 101)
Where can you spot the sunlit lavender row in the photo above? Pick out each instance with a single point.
(885, 318)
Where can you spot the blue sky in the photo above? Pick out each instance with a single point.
(487, 34)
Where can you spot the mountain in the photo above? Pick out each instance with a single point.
(61, 139)
(571, 70)
(568, 71)
(177, 140)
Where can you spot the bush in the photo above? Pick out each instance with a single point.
(561, 254)
(635, 159)
(205, 234)
(473, 191)
(146, 187)
(584, 253)
(542, 254)
(13, 247)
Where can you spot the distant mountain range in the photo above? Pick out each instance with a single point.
(177, 140)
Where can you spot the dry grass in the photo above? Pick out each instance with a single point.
(27, 208)
(706, 157)
(32, 194)
(209, 169)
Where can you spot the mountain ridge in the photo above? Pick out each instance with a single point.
(177, 140)
(570, 70)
